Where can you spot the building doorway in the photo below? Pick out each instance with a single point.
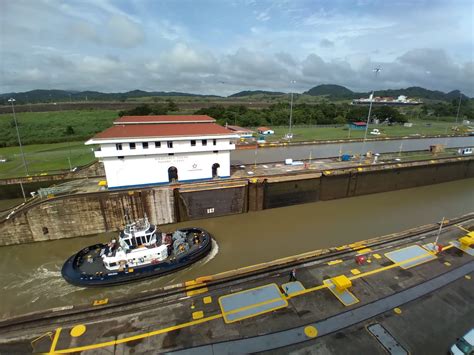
(172, 174)
(215, 166)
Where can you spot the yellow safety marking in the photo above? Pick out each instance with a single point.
(369, 261)
(364, 251)
(468, 277)
(342, 247)
(334, 262)
(462, 228)
(397, 310)
(376, 256)
(198, 315)
(207, 299)
(355, 272)
(52, 350)
(250, 306)
(211, 318)
(447, 263)
(100, 302)
(197, 292)
(336, 292)
(310, 331)
(78, 330)
(139, 336)
(190, 283)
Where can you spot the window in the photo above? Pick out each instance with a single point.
(157, 144)
(121, 157)
(215, 151)
(118, 146)
(132, 145)
(193, 143)
(170, 154)
(214, 142)
(145, 145)
(170, 144)
(204, 142)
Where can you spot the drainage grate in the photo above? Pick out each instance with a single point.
(386, 339)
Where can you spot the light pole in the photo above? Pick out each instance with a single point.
(459, 107)
(290, 135)
(376, 71)
(12, 100)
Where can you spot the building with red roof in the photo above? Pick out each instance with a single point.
(148, 150)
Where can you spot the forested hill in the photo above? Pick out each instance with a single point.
(36, 96)
(341, 92)
(256, 92)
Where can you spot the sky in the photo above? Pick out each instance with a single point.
(223, 46)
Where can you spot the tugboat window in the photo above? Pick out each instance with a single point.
(157, 144)
(214, 141)
(145, 145)
(204, 142)
(193, 142)
(170, 144)
(132, 145)
(118, 146)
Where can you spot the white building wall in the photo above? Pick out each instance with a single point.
(153, 169)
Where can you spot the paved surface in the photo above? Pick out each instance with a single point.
(435, 297)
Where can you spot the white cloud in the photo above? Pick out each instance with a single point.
(123, 32)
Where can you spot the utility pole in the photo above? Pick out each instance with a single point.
(12, 100)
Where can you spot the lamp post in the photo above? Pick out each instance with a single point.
(459, 107)
(12, 100)
(376, 71)
(290, 135)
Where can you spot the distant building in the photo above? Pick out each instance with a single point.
(242, 132)
(358, 125)
(148, 150)
(265, 130)
(401, 100)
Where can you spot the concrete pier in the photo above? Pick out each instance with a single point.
(423, 300)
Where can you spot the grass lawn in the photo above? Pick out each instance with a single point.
(322, 133)
(44, 158)
(51, 127)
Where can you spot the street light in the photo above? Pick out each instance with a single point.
(12, 100)
(290, 135)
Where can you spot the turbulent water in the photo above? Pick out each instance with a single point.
(30, 277)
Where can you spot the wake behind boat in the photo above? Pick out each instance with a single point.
(141, 251)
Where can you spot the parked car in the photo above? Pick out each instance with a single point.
(465, 151)
(375, 132)
(464, 345)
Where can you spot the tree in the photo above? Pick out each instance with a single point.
(69, 131)
(171, 105)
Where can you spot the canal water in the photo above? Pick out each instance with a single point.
(319, 151)
(30, 277)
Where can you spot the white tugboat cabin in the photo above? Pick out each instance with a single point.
(149, 150)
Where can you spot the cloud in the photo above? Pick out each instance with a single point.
(123, 32)
(118, 46)
(325, 43)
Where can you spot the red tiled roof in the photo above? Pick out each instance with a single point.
(163, 119)
(162, 130)
(263, 129)
(238, 129)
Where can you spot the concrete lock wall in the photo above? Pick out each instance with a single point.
(211, 202)
(80, 215)
(84, 214)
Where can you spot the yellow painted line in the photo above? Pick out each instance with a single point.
(462, 228)
(364, 251)
(355, 272)
(52, 350)
(342, 247)
(135, 337)
(253, 306)
(447, 263)
(334, 262)
(198, 315)
(207, 299)
(376, 256)
(214, 317)
(197, 291)
(100, 302)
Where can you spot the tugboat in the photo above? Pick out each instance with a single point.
(141, 251)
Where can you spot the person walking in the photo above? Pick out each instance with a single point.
(292, 275)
